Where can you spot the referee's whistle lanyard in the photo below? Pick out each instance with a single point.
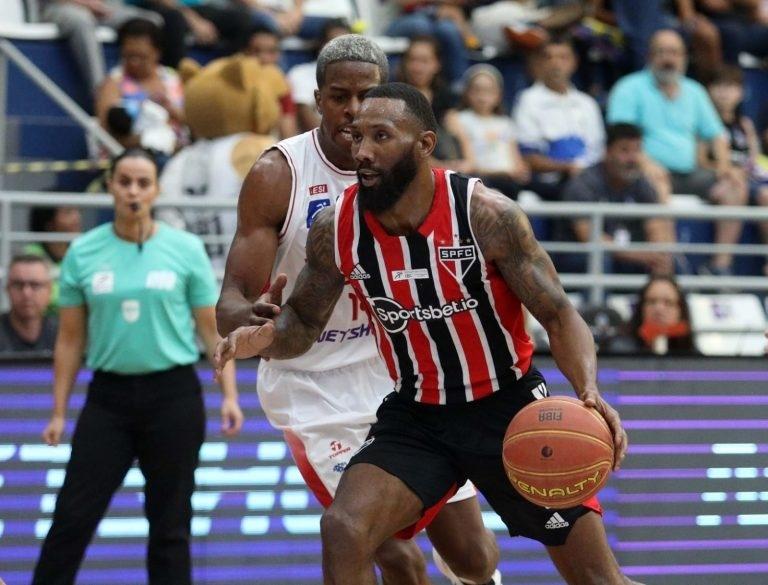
(136, 207)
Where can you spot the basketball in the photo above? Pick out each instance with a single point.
(558, 452)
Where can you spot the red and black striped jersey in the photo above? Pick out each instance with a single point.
(448, 327)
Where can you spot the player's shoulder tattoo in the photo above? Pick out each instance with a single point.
(506, 238)
(497, 221)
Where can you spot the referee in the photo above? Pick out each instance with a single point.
(133, 292)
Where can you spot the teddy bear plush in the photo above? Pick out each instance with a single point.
(232, 107)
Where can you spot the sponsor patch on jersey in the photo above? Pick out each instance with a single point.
(315, 207)
(318, 189)
(394, 317)
(131, 310)
(161, 279)
(457, 259)
(412, 274)
(103, 282)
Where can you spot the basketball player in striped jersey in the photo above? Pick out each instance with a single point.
(443, 266)
(325, 400)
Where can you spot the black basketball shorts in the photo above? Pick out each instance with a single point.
(434, 448)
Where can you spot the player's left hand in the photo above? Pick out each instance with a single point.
(243, 342)
(591, 397)
(231, 417)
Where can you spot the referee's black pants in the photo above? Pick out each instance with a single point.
(156, 418)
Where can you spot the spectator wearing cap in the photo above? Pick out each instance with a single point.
(25, 327)
(675, 115)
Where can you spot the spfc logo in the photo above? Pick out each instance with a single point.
(457, 259)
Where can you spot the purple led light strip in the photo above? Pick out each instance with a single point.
(714, 569)
(674, 399)
(683, 449)
(657, 545)
(692, 376)
(706, 424)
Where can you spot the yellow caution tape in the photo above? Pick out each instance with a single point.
(56, 166)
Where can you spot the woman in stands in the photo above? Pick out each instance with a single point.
(142, 102)
(133, 293)
(420, 67)
(661, 322)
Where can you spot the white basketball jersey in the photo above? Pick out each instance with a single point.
(316, 183)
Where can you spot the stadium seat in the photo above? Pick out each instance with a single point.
(728, 324)
(623, 304)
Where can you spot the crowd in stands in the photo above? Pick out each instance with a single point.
(628, 102)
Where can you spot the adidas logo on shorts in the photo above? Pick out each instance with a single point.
(358, 273)
(556, 521)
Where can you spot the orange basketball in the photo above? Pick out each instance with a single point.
(558, 452)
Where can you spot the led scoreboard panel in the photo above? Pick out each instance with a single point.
(689, 505)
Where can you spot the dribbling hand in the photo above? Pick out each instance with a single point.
(591, 397)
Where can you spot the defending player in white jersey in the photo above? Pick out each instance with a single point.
(326, 400)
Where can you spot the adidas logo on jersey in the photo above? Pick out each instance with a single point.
(358, 273)
(556, 521)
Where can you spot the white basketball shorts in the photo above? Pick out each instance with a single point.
(325, 418)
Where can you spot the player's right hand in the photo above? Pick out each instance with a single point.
(267, 306)
(54, 430)
(243, 342)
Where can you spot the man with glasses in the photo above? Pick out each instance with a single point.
(25, 327)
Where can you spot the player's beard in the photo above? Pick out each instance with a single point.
(391, 187)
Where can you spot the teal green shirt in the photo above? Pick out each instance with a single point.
(670, 127)
(139, 302)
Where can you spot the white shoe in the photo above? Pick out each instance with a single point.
(443, 567)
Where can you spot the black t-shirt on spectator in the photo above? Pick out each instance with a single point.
(591, 186)
(10, 342)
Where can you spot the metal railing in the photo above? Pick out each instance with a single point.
(8, 52)
(594, 280)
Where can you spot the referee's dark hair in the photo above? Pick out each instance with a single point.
(622, 131)
(415, 102)
(135, 152)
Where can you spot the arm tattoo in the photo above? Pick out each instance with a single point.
(314, 296)
(505, 237)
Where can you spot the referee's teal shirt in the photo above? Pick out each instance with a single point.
(139, 303)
